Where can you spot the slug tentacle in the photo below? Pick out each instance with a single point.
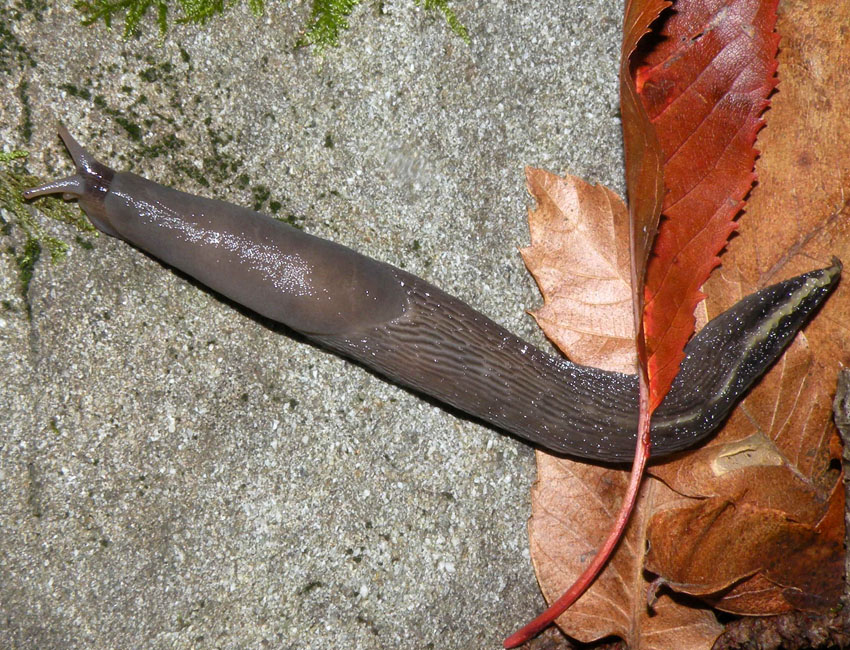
(428, 340)
(89, 185)
(70, 187)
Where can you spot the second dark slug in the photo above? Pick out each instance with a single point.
(423, 338)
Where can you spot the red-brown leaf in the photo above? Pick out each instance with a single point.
(644, 172)
(716, 549)
(779, 450)
(703, 81)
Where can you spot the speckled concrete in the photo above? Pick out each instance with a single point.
(175, 472)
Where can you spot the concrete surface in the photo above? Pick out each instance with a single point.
(175, 472)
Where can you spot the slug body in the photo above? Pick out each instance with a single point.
(423, 338)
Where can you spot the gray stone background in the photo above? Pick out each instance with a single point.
(177, 473)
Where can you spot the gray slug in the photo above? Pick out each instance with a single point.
(421, 337)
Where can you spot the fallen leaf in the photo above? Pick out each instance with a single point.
(796, 219)
(787, 451)
(710, 546)
(703, 79)
(587, 303)
(564, 538)
(575, 504)
(644, 171)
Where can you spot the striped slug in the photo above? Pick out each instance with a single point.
(423, 338)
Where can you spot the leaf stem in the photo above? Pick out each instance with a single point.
(584, 581)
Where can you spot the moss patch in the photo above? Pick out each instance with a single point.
(14, 179)
(451, 18)
(133, 11)
(328, 19)
(25, 127)
(13, 54)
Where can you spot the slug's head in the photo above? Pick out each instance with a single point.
(89, 185)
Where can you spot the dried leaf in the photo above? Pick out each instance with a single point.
(575, 504)
(714, 545)
(644, 173)
(565, 537)
(586, 303)
(788, 451)
(703, 79)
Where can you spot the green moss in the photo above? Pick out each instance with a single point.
(83, 243)
(26, 260)
(26, 126)
(329, 18)
(133, 130)
(194, 173)
(293, 220)
(311, 586)
(261, 195)
(166, 144)
(150, 75)
(219, 169)
(126, 117)
(451, 19)
(74, 91)
(9, 156)
(14, 179)
(133, 11)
